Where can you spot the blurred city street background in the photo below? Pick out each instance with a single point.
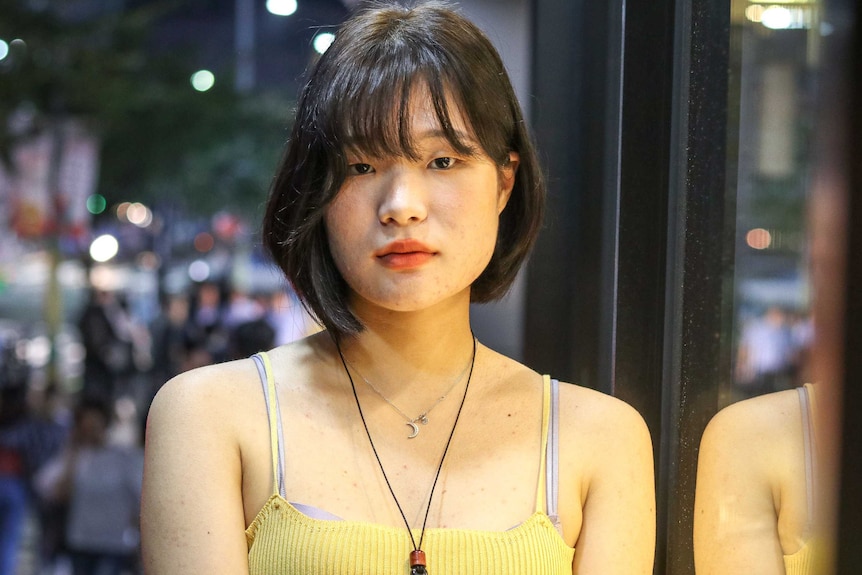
(140, 138)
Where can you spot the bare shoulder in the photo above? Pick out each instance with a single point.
(224, 398)
(212, 392)
(753, 447)
(758, 423)
(208, 410)
(587, 411)
(750, 495)
(587, 416)
(605, 438)
(583, 411)
(608, 497)
(197, 427)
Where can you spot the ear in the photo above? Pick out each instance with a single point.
(507, 180)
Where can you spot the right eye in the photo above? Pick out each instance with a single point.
(359, 169)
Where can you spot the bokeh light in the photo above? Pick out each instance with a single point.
(758, 238)
(139, 215)
(199, 271)
(754, 12)
(96, 204)
(323, 41)
(204, 242)
(203, 80)
(281, 7)
(148, 261)
(776, 18)
(121, 211)
(104, 247)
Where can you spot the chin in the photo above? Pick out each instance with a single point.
(415, 303)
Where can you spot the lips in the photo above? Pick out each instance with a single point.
(404, 254)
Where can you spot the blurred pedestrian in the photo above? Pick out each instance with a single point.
(13, 480)
(167, 336)
(242, 308)
(107, 335)
(765, 354)
(251, 337)
(206, 332)
(289, 317)
(101, 484)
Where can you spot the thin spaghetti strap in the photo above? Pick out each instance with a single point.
(276, 433)
(809, 447)
(549, 470)
(541, 490)
(552, 454)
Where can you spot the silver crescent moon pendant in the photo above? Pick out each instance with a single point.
(415, 428)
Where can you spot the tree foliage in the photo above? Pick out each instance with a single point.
(162, 141)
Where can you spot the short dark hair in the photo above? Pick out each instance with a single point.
(358, 95)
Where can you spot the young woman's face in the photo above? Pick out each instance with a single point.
(409, 234)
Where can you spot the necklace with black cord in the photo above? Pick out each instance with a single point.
(422, 418)
(418, 563)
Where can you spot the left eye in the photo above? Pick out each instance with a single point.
(442, 163)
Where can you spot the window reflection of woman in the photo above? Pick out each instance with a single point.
(393, 442)
(757, 486)
(767, 481)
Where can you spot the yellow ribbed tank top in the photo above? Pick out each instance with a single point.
(284, 541)
(800, 563)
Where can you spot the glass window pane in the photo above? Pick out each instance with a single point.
(776, 80)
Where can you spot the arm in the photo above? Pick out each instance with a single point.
(192, 518)
(617, 535)
(735, 521)
(54, 481)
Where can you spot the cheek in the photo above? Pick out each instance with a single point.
(490, 238)
(339, 241)
(343, 232)
(478, 237)
(336, 211)
(337, 216)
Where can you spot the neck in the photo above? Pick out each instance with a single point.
(416, 352)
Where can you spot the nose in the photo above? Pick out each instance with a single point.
(404, 199)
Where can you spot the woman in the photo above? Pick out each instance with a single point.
(393, 441)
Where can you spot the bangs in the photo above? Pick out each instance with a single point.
(373, 115)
